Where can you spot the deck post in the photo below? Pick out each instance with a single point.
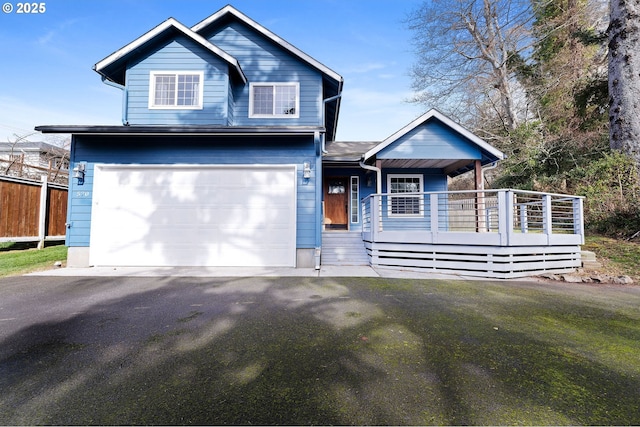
(547, 226)
(524, 218)
(376, 221)
(505, 216)
(434, 214)
(578, 218)
(481, 225)
(42, 218)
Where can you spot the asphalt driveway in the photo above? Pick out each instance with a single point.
(301, 350)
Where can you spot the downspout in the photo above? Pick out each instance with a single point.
(318, 237)
(483, 170)
(324, 106)
(378, 172)
(125, 96)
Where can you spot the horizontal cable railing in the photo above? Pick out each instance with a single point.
(488, 211)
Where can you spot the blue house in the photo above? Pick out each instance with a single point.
(227, 157)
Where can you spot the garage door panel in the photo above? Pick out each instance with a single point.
(173, 216)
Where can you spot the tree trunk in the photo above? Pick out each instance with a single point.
(624, 77)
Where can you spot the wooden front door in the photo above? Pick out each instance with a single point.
(336, 203)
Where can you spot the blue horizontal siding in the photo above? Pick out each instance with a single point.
(432, 140)
(180, 54)
(193, 150)
(433, 180)
(263, 61)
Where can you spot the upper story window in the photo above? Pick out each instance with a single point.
(273, 100)
(405, 205)
(176, 89)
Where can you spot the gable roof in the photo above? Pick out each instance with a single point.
(113, 66)
(487, 149)
(332, 81)
(229, 10)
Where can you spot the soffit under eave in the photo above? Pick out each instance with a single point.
(451, 167)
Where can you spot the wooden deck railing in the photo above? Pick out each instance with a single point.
(489, 217)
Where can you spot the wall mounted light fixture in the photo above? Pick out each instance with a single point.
(78, 172)
(306, 171)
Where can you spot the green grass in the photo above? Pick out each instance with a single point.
(20, 258)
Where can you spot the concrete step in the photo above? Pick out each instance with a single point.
(343, 248)
(589, 260)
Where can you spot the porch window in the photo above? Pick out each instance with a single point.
(176, 90)
(274, 100)
(405, 205)
(355, 199)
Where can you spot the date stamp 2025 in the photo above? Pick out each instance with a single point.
(25, 8)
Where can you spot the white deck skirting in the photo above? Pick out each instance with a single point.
(482, 261)
(493, 233)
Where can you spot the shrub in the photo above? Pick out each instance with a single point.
(611, 185)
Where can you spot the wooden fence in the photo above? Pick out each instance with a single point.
(32, 211)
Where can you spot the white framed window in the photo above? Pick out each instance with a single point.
(355, 199)
(177, 90)
(405, 205)
(274, 100)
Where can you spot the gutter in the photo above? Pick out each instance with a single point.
(125, 96)
(378, 172)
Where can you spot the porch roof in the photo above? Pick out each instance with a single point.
(347, 152)
(447, 146)
(434, 141)
(489, 152)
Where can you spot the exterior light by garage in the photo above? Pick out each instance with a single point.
(78, 172)
(306, 171)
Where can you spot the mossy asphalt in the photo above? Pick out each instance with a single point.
(316, 350)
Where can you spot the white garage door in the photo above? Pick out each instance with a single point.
(193, 215)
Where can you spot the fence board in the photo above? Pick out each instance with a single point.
(56, 212)
(20, 210)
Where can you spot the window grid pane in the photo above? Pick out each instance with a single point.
(263, 100)
(285, 100)
(405, 205)
(165, 89)
(188, 89)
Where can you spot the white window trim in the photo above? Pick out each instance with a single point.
(274, 116)
(354, 206)
(417, 195)
(152, 90)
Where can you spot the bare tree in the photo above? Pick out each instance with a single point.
(464, 48)
(52, 160)
(624, 77)
(13, 159)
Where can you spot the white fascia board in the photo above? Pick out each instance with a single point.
(265, 32)
(133, 45)
(171, 22)
(444, 119)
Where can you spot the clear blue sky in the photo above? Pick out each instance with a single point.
(46, 60)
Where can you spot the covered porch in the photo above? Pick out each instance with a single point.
(408, 218)
(490, 233)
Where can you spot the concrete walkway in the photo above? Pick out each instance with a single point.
(325, 271)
